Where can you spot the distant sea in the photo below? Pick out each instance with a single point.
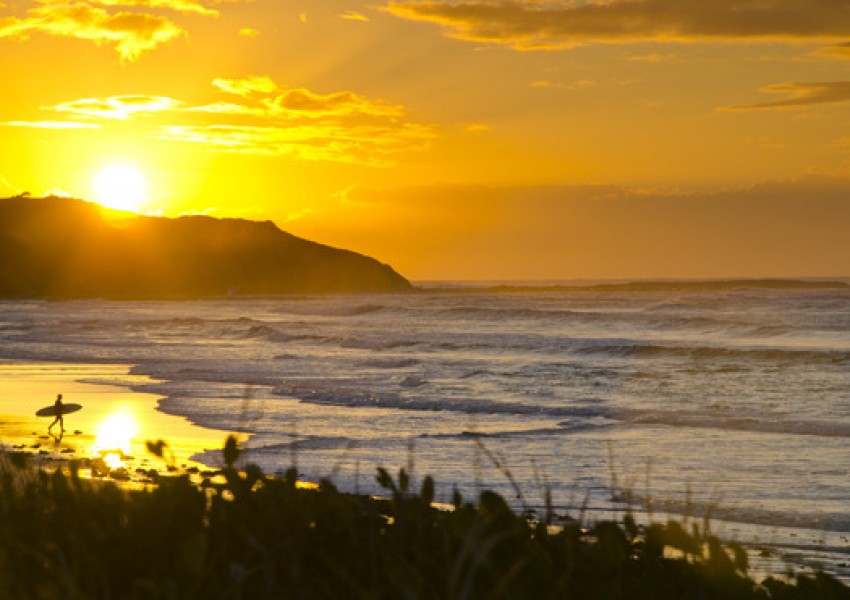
(728, 399)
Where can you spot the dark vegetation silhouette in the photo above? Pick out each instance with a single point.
(68, 248)
(242, 534)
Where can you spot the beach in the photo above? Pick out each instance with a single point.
(112, 418)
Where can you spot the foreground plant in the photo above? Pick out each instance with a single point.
(247, 535)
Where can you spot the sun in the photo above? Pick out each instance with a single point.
(121, 186)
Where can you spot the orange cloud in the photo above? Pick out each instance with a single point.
(778, 229)
(130, 33)
(306, 103)
(117, 107)
(364, 144)
(283, 101)
(228, 108)
(354, 16)
(245, 87)
(177, 5)
(529, 24)
(296, 122)
(802, 94)
(653, 57)
(835, 50)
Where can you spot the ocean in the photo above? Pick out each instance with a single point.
(732, 402)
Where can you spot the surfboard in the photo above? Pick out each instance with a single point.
(50, 411)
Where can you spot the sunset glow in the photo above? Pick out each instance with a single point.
(257, 241)
(453, 139)
(114, 436)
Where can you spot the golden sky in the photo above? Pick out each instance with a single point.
(488, 139)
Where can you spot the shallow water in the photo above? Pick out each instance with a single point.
(732, 401)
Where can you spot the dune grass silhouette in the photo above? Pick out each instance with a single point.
(243, 534)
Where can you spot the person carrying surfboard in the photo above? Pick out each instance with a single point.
(58, 410)
(58, 407)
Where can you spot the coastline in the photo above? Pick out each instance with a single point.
(112, 415)
(29, 385)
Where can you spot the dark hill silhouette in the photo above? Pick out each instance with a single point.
(68, 248)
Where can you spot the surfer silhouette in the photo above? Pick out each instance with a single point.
(58, 406)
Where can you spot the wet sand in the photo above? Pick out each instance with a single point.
(110, 414)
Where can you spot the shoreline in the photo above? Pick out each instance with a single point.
(29, 385)
(114, 417)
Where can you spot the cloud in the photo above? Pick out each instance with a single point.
(266, 119)
(363, 144)
(801, 94)
(130, 33)
(306, 103)
(245, 87)
(52, 124)
(117, 107)
(284, 101)
(354, 16)
(177, 5)
(249, 32)
(228, 108)
(581, 84)
(299, 123)
(776, 229)
(835, 50)
(531, 24)
(654, 57)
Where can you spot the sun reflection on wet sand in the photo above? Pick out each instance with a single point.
(114, 421)
(113, 438)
